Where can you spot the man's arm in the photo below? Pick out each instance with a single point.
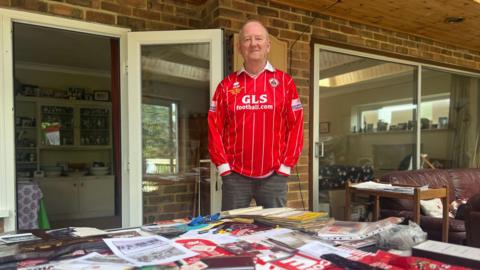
(294, 117)
(216, 123)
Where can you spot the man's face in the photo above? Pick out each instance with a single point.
(254, 44)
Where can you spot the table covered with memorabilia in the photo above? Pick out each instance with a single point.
(250, 238)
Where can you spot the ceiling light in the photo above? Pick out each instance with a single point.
(454, 19)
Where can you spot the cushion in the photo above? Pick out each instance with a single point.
(457, 208)
(432, 208)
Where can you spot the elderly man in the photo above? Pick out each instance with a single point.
(255, 125)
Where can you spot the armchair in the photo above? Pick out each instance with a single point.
(472, 220)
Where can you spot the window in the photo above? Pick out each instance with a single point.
(160, 136)
(396, 115)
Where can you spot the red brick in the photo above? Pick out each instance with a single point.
(160, 6)
(116, 8)
(100, 17)
(338, 36)
(174, 19)
(366, 34)
(387, 47)
(133, 3)
(285, 34)
(356, 40)
(133, 23)
(372, 43)
(263, 11)
(185, 12)
(279, 23)
(302, 27)
(289, 16)
(5, 3)
(96, 4)
(380, 37)
(319, 32)
(66, 11)
(348, 30)
(280, 6)
(146, 14)
(273, 31)
(30, 5)
(197, 24)
(243, 6)
(83, 3)
(330, 25)
(401, 50)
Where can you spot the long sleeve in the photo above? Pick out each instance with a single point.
(294, 132)
(216, 127)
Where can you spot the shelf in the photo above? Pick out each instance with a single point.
(399, 131)
(17, 127)
(26, 148)
(76, 148)
(61, 101)
(26, 162)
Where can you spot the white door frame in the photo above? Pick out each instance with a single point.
(135, 41)
(7, 128)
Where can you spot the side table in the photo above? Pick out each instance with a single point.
(418, 194)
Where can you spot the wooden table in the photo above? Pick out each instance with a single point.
(417, 195)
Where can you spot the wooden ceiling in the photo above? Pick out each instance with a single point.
(425, 18)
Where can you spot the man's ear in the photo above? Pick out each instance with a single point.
(268, 45)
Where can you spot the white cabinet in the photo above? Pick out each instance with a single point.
(78, 197)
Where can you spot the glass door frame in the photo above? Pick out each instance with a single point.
(132, 191)
(315, 114)
(7, 150)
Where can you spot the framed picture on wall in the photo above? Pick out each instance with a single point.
(324, 127)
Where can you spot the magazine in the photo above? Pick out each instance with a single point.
(387, 187)
(16, 238)
(288, 218)
(148, 250)
(352, 230)
(292, 239)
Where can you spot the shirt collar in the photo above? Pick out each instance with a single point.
(268, 67)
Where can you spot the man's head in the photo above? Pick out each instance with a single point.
(254, 42)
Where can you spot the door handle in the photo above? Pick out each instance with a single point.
(319, 149)
(322, 149)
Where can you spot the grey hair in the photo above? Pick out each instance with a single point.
(240, 33)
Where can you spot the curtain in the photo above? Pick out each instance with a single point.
(459, 122)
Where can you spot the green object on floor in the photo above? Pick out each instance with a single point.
(42, 217)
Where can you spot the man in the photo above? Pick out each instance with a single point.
(255, 126)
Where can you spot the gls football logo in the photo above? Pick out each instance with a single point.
(252, 99)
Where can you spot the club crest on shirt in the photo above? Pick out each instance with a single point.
(235, 88)
(273, 82)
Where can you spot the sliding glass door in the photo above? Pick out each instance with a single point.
(172, 76)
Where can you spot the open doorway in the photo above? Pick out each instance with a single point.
(67, 148)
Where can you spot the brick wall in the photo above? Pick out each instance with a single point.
(284, 22)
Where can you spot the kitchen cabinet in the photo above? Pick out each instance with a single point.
(78, 197)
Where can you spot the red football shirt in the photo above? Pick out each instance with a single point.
(256, 124)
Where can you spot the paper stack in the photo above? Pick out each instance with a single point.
(288, 218)
(351, 230)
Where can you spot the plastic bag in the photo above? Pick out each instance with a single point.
(402, 237)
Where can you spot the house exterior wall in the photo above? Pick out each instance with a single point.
(284, 22)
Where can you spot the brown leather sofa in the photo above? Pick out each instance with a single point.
(472, 220)
(462, 184)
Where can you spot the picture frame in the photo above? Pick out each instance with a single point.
(324, 127)
(101, 95)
